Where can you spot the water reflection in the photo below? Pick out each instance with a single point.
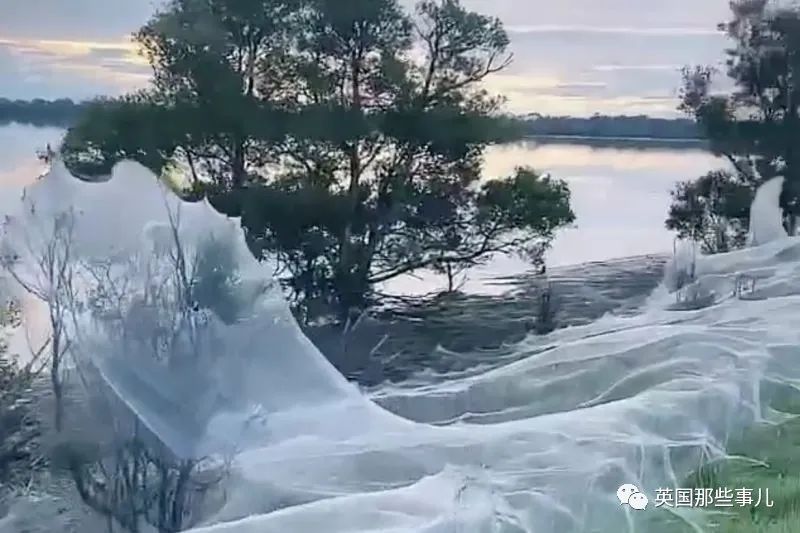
(18, 163)
(561, 158)
(620, 195)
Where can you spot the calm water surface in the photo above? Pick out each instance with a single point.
(620, 195)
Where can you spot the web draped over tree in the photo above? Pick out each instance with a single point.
(349, 137)
(755, 127)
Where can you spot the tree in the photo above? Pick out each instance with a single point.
(48, 247)
(755, 127)
(348, 137)
(18, 424)
(712, 210)
(62, 112)
(156, 312)
(133, 485)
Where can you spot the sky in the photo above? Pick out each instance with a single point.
(571, 57)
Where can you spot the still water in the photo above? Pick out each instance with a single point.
(620, 195)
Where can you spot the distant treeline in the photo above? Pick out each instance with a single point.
(621, 127)
(61, 113)
(64, 112)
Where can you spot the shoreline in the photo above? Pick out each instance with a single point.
(601, 141)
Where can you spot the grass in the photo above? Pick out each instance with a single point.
(766, 457)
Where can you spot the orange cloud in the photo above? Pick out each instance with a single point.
(117, 63)
(550, 94)
(126, 49)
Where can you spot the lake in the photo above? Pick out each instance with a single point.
(620, 195)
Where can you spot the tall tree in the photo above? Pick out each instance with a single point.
(756, 125)
(349, 136)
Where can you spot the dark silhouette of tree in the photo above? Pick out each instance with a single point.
(347, 136)
(755, 127)
(621, 127)
(62, 112)
(66, 113)
(712, 210)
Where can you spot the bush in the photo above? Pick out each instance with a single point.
(18, 428)
(134, 485)
(713, 210)
(215, 280)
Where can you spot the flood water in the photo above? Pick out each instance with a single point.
(620, 196)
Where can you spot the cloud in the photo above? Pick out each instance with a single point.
(124, 50)
(580, 105)
(636, 59)
(520, 87)
(619, 68)
(83, 68)
(89, 20)
(576, 56)
(581, 88)
(619, 14)
(555, 95)
(504, 82)
(612, 30)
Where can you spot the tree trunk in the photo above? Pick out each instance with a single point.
(450, 278)
(55, 380)
(238, 174)
(349, 273)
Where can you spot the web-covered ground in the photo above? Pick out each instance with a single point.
(464, 330)
(537, 441)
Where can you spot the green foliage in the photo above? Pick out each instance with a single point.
(526, 201)
(17, 425)
(713, 210)
(349, 137)
(66, 113)
(763, 458)
(756, 126)
(214, 280)
(131, 127)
